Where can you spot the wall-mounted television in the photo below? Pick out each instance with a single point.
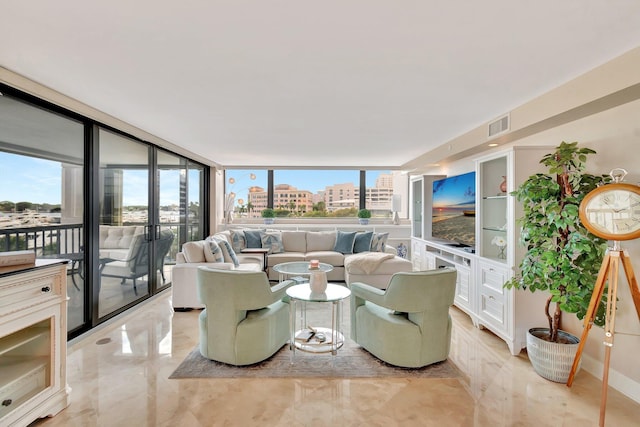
(454, 210)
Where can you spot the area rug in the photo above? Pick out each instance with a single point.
(351, 361)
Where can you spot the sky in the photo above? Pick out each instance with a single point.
(28, 179)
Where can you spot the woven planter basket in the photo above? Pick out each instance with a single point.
(551, 360)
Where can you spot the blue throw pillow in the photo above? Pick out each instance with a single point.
(252, 238)
(363, 242)
(345, 241)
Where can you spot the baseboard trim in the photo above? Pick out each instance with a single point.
(620, 382)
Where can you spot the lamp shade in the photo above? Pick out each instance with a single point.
(396, 203)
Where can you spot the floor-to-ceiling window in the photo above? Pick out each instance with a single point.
(117, 207)
(42, 193)
(196, 202)
(315, 193)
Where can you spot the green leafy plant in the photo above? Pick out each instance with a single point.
(562, 257)
(268, 213)
(364, 213)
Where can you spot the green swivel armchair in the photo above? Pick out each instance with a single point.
(408, 324)
(245, 320)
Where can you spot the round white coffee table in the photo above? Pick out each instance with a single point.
(323, 340)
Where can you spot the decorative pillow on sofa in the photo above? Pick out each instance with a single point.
(378, 242)
(345, 241)
(213, 252)
(363, 242)
(272, 240)
(252, 237)
(238, 241)
(227, 251)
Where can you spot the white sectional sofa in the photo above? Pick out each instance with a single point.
(185, 272)
(331, 247)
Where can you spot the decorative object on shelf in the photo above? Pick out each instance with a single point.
(396, 207)
(318, 281)
(269, 215)
(364, 215)
(503, 184)
(17, 258)
(501, 243)
(402, 250)
(563, 257)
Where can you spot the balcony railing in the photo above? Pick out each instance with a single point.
(43, 240)
(60, 239)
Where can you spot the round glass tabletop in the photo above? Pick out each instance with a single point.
(300, 268)
(334, 292)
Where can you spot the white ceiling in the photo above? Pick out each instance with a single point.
(366, 83)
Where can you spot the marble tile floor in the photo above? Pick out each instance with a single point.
(124, 382)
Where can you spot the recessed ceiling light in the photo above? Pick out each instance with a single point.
(493, 144)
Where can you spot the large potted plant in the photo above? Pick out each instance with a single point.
(562, 257)
(363, 216)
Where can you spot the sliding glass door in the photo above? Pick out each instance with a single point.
(150, 203)
(126, 234)
(170, 217)
(118, 208)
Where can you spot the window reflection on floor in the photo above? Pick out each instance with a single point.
(113, 294)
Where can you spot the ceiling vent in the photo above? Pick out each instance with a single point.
(498, 126)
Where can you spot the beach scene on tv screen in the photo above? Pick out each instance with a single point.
(454, 209)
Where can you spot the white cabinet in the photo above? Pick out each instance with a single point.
(33, 342)
(507, 313)
(493, 301)
(437, 255)
(416, 255)
(481, 275)
(429, 261)
(420, 201)
(464, 292)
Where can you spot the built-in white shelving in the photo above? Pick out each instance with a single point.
(480, 288)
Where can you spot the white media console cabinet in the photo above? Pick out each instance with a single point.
(480, 289)
(480, 293)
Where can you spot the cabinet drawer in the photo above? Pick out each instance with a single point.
(29, 291)
(493, 278)
(492, 307)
